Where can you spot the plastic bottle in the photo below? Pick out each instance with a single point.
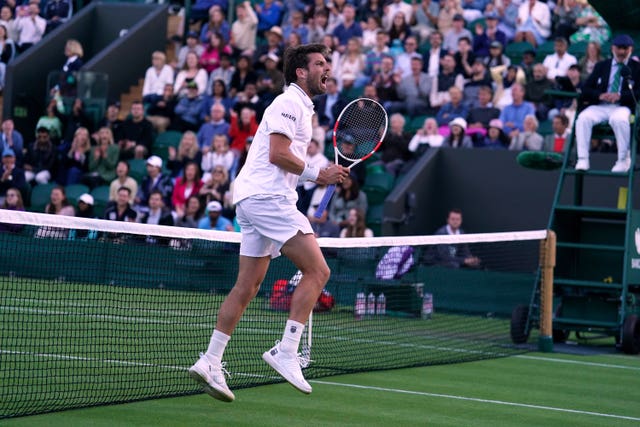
(427, 306)
(381, 305)
(360, 305)
(371, 304)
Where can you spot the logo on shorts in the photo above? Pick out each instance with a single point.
(288, 116)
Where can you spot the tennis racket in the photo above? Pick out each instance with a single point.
(357, 134)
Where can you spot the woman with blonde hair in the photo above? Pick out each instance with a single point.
(103, 160)
(68, 78)
(188, 151)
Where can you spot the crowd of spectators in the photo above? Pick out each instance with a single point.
(441, 66)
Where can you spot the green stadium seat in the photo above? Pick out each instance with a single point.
(546, 48)
(578, 49)
(74, 191)
(375, 218)
(545, 128)
(416, 123)
(100, 200)
(377, 186)
(137, 169)
(170, 137)
(40, 196)
(515, 51)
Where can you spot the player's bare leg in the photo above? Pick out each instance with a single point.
(209, 370)
(304, 252)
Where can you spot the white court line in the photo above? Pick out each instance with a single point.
(475, 399)
(577, 362)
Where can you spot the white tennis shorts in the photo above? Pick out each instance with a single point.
(267, 223)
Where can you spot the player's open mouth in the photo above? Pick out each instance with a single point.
(323, 79)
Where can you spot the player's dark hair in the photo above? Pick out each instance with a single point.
(298, 57)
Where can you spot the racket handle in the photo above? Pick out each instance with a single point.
(325, 201)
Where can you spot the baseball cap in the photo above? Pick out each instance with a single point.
(491, 15)
(192, 85)
(458, 17)
(496, 43)
(622, 40)
(8, 152)
(214, 206)
(155, 161)
(86, 198)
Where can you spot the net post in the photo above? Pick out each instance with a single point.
(547, 264)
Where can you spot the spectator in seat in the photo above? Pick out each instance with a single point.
(219, 155)
(12, 174)
(348, 196)
(512, 115)
(558, 62)
(156, 78)
(11, 138)
(192, 44)
(216, 186)
(444, 80)
(484, 112)
(191, 72)
(528, 139)
(457, 137)
(123, 180)
(188, 110)
(192, 213)
(12, 201)
(186, 186)
(57, 12)
(121, 210)
(214, 48)
(356, 225)
(216, 125)
(243, 126)
(188, 151)
(533, 23)
(535, 89)
(347, 29)
(102, 160)
(329, 105)
(427, 136)
(485, 36)
(29, 25)
(136, 134)
(59, 204)
(75, 162)
(269, 15)
(495, 139)
(7, 19)
(112, 120)
(157, 214)
(244, 30)
(155, 180)
(217, 10)
(213, 220)
(161, 112)
(561, 134)
(40, 159)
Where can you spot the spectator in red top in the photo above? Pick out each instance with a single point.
(242, 127)
(186, 186)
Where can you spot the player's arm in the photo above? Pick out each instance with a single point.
(282, 157)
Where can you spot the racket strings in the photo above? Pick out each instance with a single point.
(360, 127)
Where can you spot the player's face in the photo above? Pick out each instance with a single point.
(318, 71)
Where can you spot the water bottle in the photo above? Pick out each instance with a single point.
(359, 306)
(371, 304)
(381, 305)
(427, 306)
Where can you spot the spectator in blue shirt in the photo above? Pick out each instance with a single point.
(213, 220)
(217, 125)
(269, 14)
(347, 29)
(513, 115)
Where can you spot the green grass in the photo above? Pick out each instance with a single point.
(526, 390)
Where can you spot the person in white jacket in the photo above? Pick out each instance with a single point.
(156, 77)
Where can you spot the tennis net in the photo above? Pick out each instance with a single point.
(96, 312)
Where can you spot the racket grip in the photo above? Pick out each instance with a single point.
(325, 201)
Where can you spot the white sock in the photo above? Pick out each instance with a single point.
(217, 345)
(291, 337)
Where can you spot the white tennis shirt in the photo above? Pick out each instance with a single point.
(290, 115)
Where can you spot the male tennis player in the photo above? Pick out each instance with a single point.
(265, 197)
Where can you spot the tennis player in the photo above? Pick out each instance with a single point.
(265, 197)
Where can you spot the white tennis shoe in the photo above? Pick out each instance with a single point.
(211, 377)
(287, 365)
